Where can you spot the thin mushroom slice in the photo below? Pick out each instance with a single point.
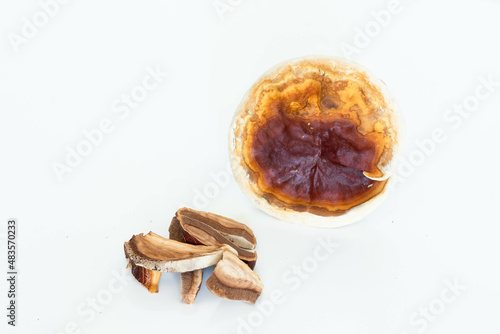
(191, 280)
(148, 278)
(233, 279)
(206, 228)
(175, 230)
(156, 253)
(190, 285)
(240, 234)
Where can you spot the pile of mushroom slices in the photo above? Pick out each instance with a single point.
(199, 240)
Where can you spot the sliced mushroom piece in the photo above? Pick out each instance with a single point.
(240, 234)
(190, 285)
(156, 253)
(233, 279)
(191, 280)
(175, 230)
(206, 228)
(148, 278)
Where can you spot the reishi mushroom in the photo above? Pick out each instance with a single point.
(315, 140)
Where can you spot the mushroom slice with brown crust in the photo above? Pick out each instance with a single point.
(148, 278)
(233, 279)
(191, 280)
(156, 253)
(175, 230)
(206, 228)
(190, 285)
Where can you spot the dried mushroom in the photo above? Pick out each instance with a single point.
(233, 279)
(148, 278)
(190, 285)
(315, 141)
(154, 252)
(206, 228)
(198, 240)
(191, 280)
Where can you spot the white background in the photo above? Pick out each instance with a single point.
(440, 224)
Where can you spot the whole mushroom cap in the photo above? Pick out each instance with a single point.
(315, 141)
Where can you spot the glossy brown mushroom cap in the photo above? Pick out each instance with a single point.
(318, 136)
